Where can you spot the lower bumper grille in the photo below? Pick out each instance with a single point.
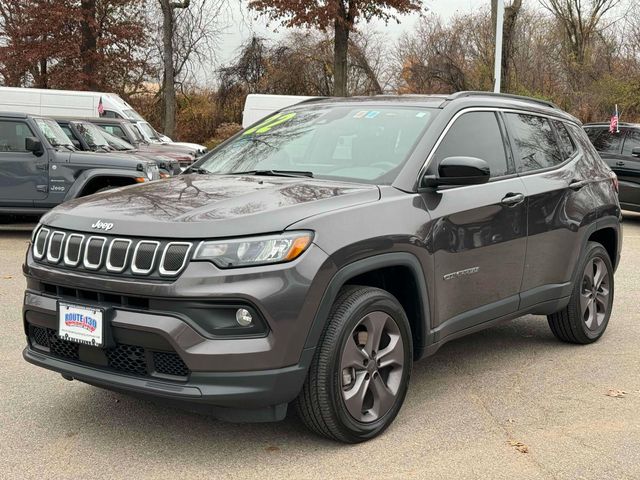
(132, 359)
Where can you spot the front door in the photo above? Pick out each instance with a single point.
(24, 176)
(478, 238)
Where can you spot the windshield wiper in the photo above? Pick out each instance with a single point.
(275, 173)
(201, 171)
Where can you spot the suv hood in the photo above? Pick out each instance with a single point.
(106, 159)
(209, 206)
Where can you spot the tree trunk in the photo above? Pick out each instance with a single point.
(89, 45)
(510, 18)
(340, 51)
(168, 87)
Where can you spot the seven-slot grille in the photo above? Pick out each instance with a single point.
(111, 255)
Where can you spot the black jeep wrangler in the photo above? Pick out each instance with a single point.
(311, 259)
(40, 168)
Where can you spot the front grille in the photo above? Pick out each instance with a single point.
(127, 358)
(131, 359)
(62, 348)
(111, 255)
(39, 336)
(170, 364)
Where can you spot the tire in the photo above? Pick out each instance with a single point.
(346, 363)
(585, 319)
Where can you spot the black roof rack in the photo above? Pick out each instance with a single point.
(546, 103)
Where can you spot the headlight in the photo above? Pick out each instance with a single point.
(244, 252)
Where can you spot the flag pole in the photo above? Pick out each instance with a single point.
(618, 122)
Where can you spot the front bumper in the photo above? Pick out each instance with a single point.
(235, 378)
(240, 396)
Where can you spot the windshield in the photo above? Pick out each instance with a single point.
(53, 132)
(116, 142)
(131, 114)
(148, 131)
(342, 142)
(92, 135)
(137, 136)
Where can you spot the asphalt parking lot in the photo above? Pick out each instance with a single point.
(509, 402)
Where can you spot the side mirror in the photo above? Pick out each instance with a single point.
(459, 171)
(635, 152)
(33, 144)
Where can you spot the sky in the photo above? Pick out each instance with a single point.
(244, 24)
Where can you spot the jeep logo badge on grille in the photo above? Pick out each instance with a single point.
(100, 225)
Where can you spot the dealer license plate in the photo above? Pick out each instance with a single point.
(81, 324)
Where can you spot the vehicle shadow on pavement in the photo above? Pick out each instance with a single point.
(173, 432)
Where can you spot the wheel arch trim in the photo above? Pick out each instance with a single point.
(366, 265)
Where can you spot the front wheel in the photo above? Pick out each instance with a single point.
(586, 317)
(360, 372)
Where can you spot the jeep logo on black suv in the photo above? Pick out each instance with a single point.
(100, 225)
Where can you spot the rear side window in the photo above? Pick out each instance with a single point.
(535, 142)
(631, 142)
(13, 135)
(605, 141)
(567, 146)
(476, 134)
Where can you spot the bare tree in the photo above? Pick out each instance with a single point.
(187, 41)
(168, 84)
(580, 22)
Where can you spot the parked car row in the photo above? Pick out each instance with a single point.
(621, 151)
(42, 168)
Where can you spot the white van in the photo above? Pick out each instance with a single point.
(80, 104)
(65, 102)
(258, 106)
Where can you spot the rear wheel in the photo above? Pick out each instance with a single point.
(586, 317)
(360, 372)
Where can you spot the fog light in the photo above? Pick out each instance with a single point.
(243, 317)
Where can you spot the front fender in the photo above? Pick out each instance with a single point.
(88, 175)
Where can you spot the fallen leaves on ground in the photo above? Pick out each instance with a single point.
(519, 446)
(8, 277)
(615, 393)
(272, 448)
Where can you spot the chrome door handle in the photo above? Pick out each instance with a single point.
(513, 199)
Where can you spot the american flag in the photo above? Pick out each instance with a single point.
(100, 107)
(613, 125)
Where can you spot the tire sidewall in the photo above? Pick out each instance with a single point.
(375, 301)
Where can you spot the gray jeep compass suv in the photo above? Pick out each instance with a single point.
(312, 258)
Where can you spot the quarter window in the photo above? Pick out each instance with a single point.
(13, 135)
(476, 134)
(631, 141)
(535, 142)
(567, 147)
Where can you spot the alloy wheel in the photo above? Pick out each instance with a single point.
(594, 294)
(371, 367)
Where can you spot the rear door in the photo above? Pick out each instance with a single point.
(478, 237)
(628, 170)
(24, 176)
(556, 177)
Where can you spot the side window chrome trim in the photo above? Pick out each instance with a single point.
(427, 163)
